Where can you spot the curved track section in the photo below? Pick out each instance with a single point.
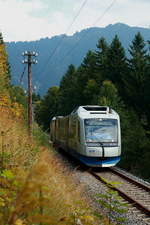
(134, 192)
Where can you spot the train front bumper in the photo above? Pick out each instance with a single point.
(99, 161)
(102, 152)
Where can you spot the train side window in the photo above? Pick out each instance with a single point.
(72, 128)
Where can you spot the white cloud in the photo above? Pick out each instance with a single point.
(33, 19)
(16, 22)
(134, 13)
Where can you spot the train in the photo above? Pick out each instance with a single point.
(91, 133)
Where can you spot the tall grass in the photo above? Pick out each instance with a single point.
(35, 188)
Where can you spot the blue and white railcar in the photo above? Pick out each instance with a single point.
(91, 134)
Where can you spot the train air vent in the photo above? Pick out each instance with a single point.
(97, 109)
(98, 112)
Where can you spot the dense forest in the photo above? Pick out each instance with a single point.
(107, 76)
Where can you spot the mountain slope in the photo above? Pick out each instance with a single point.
(71, 51)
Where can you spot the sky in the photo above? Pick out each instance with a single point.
(26, 20)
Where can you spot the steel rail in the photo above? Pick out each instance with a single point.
(137, 183)
(121, 193)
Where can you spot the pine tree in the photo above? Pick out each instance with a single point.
(87, 68)
(117, 65)
(85, 73)
(47, 108)
(146, 91)
(102, 60)
(135, 83)
(67, 97)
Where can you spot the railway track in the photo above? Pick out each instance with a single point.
(134, 192)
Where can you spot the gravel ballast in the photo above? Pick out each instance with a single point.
(92, 187)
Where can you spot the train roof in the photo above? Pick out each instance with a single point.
(91, 111)
(94, 111)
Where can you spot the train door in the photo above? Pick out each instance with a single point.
(67, 131)
(54, 130)
(78, 136)
(72, 133)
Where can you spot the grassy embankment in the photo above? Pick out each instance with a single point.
(35, 188)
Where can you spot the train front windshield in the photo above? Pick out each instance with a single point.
(101, 130)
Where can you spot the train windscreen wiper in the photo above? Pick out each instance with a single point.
(103, 150)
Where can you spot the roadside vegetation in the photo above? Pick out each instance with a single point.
(110, 76)
(35, 188)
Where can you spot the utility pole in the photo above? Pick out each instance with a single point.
(29, 61)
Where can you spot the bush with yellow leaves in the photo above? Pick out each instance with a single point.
(35, 188)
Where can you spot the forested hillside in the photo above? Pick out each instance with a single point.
(57, 53)
(110, 76)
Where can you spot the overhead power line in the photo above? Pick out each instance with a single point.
(85, 34)
(22, 75)
(103, 14)
(67, 30)
(78, 13)
(74, 19)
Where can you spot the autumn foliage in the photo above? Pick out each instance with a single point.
(35, 188)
